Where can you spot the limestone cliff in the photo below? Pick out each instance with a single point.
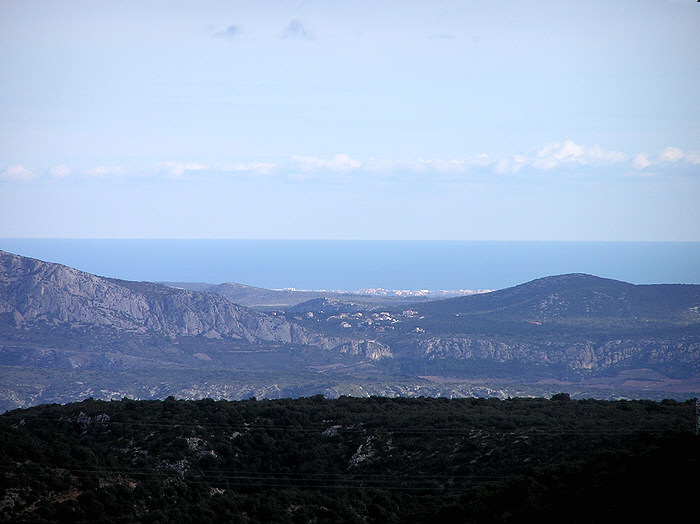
(679, 353)
(36, 294)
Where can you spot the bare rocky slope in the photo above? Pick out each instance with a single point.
(37, 295)
(33, 292)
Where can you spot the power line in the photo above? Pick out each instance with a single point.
(457, 431)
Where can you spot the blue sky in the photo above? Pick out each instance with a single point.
(465, 120)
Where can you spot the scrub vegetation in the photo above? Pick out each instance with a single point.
(348, 459)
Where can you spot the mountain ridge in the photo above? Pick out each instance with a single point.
(576, 328)
(577, 294)
(35, 293)
(55, 293)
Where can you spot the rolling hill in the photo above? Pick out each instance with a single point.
(578, 296)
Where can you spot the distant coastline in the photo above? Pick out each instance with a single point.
(381, 292)
(353, 265)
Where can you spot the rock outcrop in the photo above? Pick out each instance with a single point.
(577, 356)
(36, 294)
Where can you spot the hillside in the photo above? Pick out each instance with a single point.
(571, 297)
(46, 306)
(349, 460)
(35, 293)
(66, 334)
(567, 327)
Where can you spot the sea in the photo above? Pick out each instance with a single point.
(352, 265)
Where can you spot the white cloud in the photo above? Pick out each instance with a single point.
(511, 164)
(259, 168)
(549, 150)
(641, 161)
(436, 165)
(545, 161)
(598, 155)
(554, 154)
(670, 158)
(503, 166)
(453, 166)
(60, 171)
(341, 163)
(671, 154)
(181, 169)
(549, 160)
(570, 150)
(481, 159)
(693, 157)
(567, 154)
(426, 165)
(106, 170)
(178, 169)
(17, 172)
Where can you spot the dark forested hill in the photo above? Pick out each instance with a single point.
(349, 460)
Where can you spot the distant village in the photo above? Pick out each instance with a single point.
(442, 293)
(419, 293)
(377, 321)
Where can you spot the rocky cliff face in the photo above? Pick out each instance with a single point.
(371, 349)
(36, 294)
(582, 355)
(33, 292)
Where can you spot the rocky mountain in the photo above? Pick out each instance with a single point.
(117, 337)
(40, 299)
(35, 293)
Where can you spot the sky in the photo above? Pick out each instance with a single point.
(445, 120)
